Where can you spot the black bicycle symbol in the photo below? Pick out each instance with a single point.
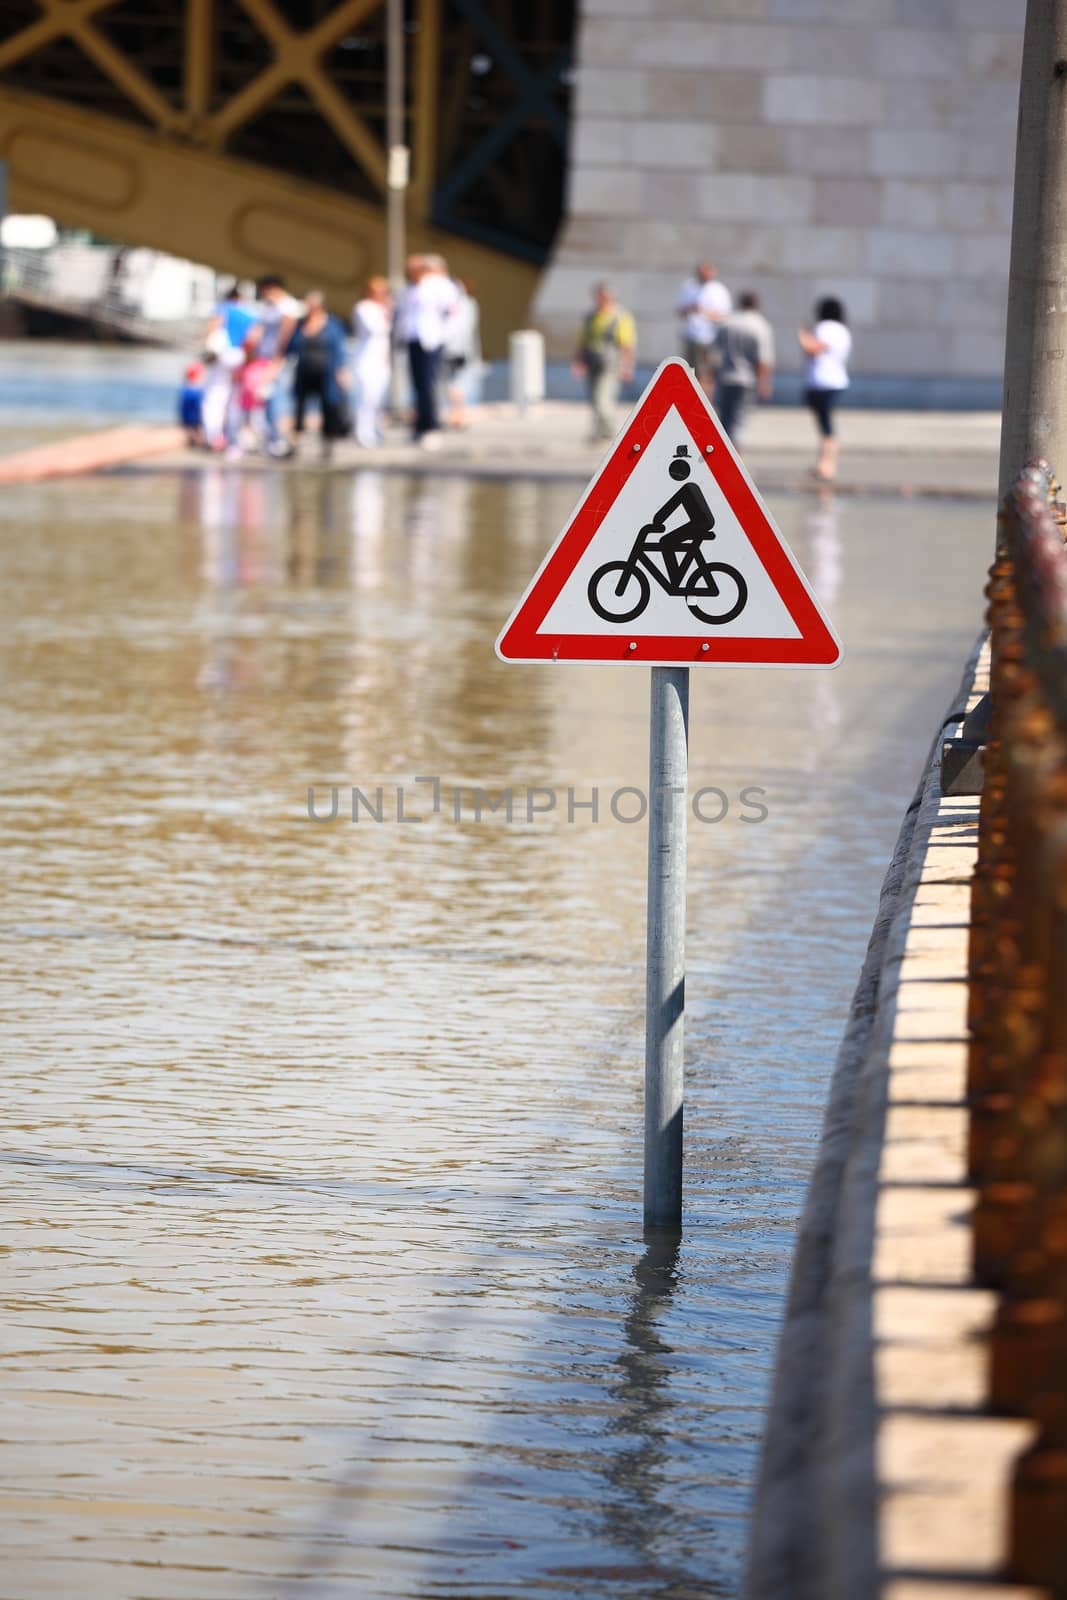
(716, 593)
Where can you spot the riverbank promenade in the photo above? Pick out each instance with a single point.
(933, 454)
(893, 452)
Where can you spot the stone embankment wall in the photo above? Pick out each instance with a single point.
(883, 1473)
(857, 147)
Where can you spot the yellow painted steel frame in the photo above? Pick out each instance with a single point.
(172, 186)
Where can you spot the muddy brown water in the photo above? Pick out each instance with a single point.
(324, 1269)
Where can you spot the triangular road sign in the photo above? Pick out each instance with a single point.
(671, 556)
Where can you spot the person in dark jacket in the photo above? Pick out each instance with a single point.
(318, 344)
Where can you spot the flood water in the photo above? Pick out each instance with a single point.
(322, 1139)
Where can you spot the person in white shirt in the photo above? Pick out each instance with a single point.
(826, 346)
(428, 303)
(372, 320)
(221, 361)
(703, 303)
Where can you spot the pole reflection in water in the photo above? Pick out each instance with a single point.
(323, 1163)
(639, 1517)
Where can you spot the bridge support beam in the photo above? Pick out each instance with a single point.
(133, 186)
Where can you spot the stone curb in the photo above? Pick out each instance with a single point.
(836, 1517)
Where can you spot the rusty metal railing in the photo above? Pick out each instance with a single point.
(1017, 1068)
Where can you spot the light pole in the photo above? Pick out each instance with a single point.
(1035, 383)
(1034, 417)
(398, 162)
(396, 176)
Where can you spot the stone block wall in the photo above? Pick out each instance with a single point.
(858, 147)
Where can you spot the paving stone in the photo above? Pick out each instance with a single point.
(923, 1235)
(941, 1378)
(918, 1315)
(945, 1509)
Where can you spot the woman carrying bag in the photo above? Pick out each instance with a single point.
(318, 344)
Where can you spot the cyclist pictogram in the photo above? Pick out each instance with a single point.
(674, 558)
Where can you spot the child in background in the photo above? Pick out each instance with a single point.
(222, 366)
(255, 386)
(191, 404)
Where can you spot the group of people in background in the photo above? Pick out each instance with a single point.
(234, 396)
(731, 350)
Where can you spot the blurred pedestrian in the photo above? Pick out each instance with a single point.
(318, 345)
(236, 316)
(191, 403)
(372, 320)
(605, 356)
(745, 349)
(230, 326)
(826, 346)
(463, 353)
(220, 410)
(703, 302)
(269, 339)
(428, 302)
(255, 384)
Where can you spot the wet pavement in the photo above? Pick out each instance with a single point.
(322, 1138)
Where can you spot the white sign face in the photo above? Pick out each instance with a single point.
(671, 556)
(671, 495)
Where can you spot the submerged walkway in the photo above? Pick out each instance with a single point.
(326, 1277)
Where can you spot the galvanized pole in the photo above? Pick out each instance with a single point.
(396, 183)
(668, 772)
(397, 168)
(1035, 357)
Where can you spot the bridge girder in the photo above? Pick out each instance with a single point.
(90, 171)
(129, 117)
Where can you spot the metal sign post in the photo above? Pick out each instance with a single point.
(670, 560)
(397, 177)
(668, 778)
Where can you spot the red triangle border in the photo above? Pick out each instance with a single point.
(672, 385)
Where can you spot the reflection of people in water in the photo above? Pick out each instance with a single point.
(679, 546)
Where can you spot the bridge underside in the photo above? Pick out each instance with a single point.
(250, 135)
